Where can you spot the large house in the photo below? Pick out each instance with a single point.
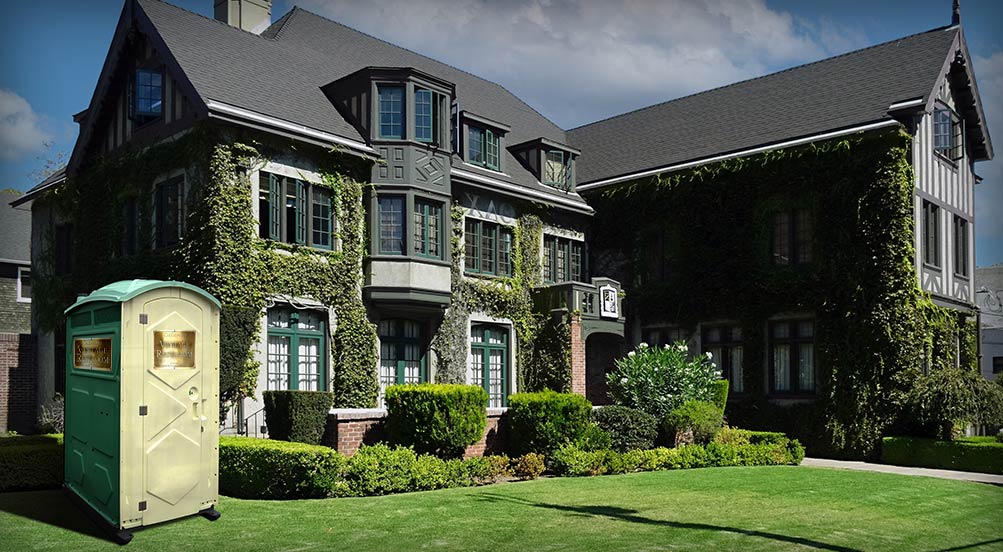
(370, 216)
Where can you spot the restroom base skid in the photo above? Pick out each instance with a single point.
(120, 536)
(210, 513)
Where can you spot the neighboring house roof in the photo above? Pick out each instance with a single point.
(15, 227)
(842, 92)
(280, 74)
(51, 181)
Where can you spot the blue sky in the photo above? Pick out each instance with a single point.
(575, 62)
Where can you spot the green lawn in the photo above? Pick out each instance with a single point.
(761, 508)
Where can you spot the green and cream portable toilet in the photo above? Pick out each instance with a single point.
(142, 403)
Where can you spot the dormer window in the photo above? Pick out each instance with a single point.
(555, 173)
(947, 135)
(391, 112)
(148, 95)
(482, 147)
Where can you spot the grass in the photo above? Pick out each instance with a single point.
(761, 508)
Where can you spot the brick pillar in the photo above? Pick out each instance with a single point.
(577, 356)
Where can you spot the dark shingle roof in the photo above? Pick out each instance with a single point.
(15, 227)
(835, 93)
(280, 73)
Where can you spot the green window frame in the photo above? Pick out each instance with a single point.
(489, 362)
(487, 248)
(391, 121)
(170, 212)
(390, 212)
(297, 350)
(563, 260)
(724, 343)
(792, 357)
(483, 147)
(427, 229)
(402, 354)
(295, 212)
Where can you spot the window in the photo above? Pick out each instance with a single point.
(960, 246)
(391, 112)
(427, 229)
(170, 212)
(931, 234)
(402, 354)
(489, 362)
(556, 170)
(391, 223)
(482, 147)
(998, 364)
(947, 134)
(149, 100)
(294, 211)
(791, 237)
(296, 350)
(428, 111)
(23, 284)
(792, 356)
(562, 260)
(724, 343)
(488, 248)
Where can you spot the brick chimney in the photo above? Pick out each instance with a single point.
(252, 16)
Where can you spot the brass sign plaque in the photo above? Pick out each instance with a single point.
(173, 350)
(92, 354)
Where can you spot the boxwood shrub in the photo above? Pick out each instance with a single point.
(31, 462)
(298, 416)
(720, 394)
(265, 468)
(628, 428)
(701, 417)
(542, 422)
(973, 454)
(436, 419)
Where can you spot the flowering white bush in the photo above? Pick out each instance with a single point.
(656, 380)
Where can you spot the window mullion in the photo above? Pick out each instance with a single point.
(294, 360)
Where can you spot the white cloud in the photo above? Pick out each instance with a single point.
(580, 61)
(20, 130)
(989, 194)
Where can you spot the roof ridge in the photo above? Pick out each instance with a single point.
(753, 79)
(279, 25)
(213, 19)
(478, 77)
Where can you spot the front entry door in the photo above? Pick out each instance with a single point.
(174, 438)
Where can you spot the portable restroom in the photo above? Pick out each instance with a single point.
(142, 404)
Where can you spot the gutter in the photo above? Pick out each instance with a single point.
(521, 191)
(759, 149)
(232, 113)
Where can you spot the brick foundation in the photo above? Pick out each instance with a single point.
(577, 356)
(349, 429)
(18, 384)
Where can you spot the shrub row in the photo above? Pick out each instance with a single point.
(436, 418)
(31, 462)
(983, 455)
(263, 468)
(542, 422)
(571, 460)
(628, 428)
(299, 416)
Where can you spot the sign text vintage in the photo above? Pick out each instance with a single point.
(173, 350)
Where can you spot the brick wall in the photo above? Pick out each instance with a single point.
(577, 356)
(349, 429)
(18, 383)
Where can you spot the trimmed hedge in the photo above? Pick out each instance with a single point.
(437, 419)
(31, 462)
(573, 461)
(542, 422)
(299, 416)
(628, 428)
(720, 394)
(703, 418)
(268, 469)
(265, 468)
(973, 454)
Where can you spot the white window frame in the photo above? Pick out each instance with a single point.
(20, 271)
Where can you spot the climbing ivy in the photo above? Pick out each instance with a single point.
(694, 246)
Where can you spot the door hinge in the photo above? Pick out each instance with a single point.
(142, 410)
(142, 506)
(144, 319)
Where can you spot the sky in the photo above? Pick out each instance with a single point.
(575, 61)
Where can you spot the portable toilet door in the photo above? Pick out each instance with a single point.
(169, 399)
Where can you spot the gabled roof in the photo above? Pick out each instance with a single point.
(50, 181)
(843, 92)
(279, 74)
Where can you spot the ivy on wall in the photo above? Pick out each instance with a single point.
(695, 247)
(543, 352)
(220, 251)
